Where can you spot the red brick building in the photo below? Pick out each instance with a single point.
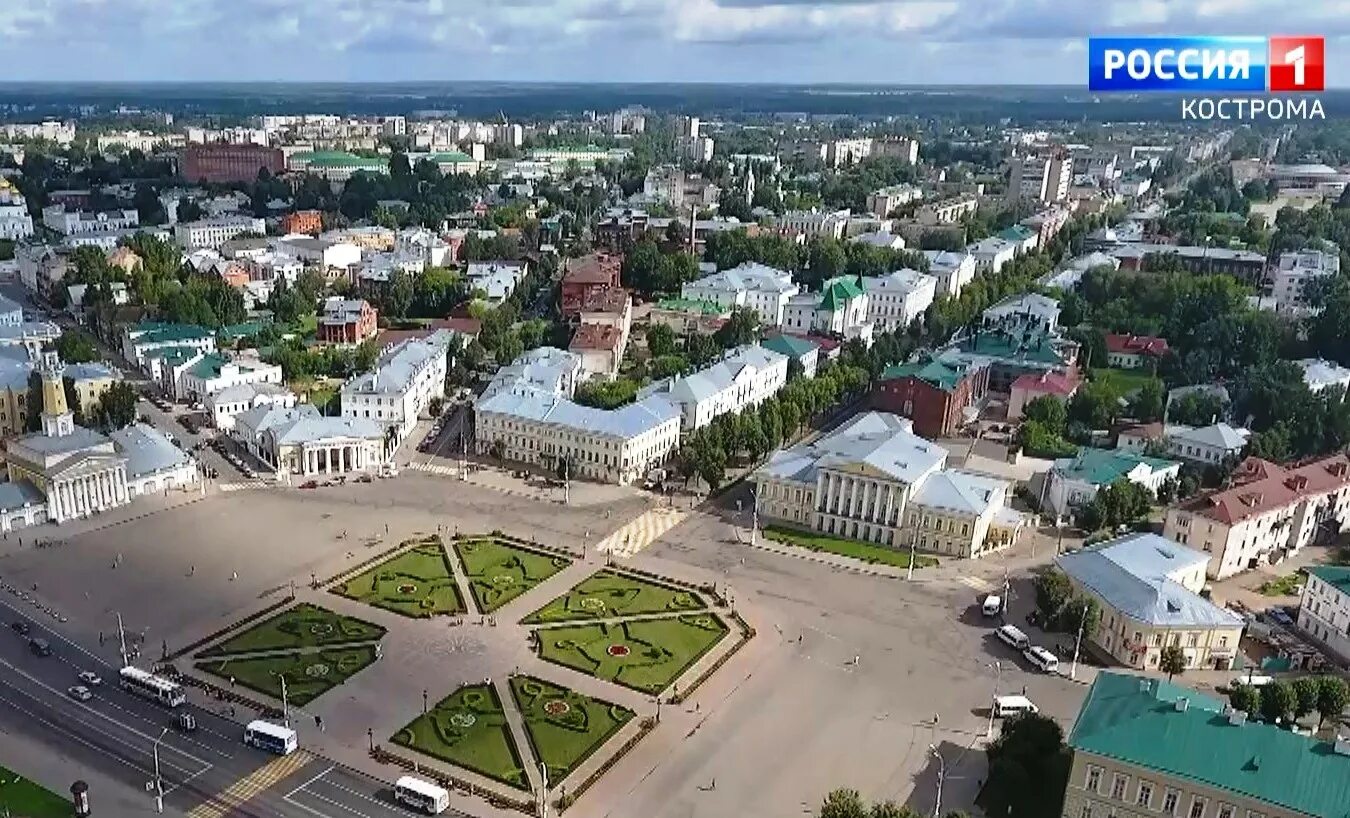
(931, 393)
(309, 222)
(347, 321)
(219, 162)
(586, 276)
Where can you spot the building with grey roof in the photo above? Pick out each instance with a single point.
(764, 289)
(873, 479)
(401, 385)
(298, 440)
(745, 377)
(528, 416)
(1148, 588)
(227, 404)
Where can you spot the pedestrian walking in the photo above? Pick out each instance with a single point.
(192, 569)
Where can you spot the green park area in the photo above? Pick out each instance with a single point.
(302, 626)
(21, 797)
(564, 727)
(856, 549)
(498, 571)
(415, 583)
(647, 655)
(608, 594)
(308, 675)
(1124, 382)
(468, 729)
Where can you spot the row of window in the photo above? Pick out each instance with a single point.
(1144, 793)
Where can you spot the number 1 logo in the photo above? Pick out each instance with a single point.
(1297, 64)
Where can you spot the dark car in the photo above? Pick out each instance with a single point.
(40, 647)
(21, 628)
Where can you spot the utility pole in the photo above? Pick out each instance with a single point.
(754, 517)
(159, 782)
(913, 548)
(286, 712)
(998, 677)
(1077, 643)
(941, 778)
(543, 790)
(122, 640)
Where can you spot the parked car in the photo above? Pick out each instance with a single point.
(21, 628)
(40, 647)
(90, 678)
(310, 484)
(80, 693)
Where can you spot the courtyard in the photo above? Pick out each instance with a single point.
(608, 594)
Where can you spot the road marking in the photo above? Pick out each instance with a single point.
(148, 720)
(313, 811)
(311, 781)
(434, 468)
(978, 583)
(641, 532)
(238, 793)
(245, 486)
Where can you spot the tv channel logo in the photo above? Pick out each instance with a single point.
(1209, 64)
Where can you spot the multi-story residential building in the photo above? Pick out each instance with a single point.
(946, 211)
(62, 133)
(689, 315)
(1128, 351)
(840, 309)
(306, 222)
(227, 404)
(211, 233)
(1026, 388)
(873, 479)
(1295, 271)
(57, 218)
(526, 415)
(1268, 513)
(840, 152)
(953, 270)
(1075, 481)
(219, 162)
(15, 222)
(764, 289)
(400, 386)
(802, 350)
(1324, 608)
(887, 200)
(1148, 589)
(347, 321)
(583, 277)
(899, 148)
(42, 267)
(495, 279)
(991, 254)
(324, 254)
(140, 340)
(1047, 223)
(419, 241)
(1021, 237)
(606, 320)
(585, 157)
(745, 378)
(897, 299)
(1145, 747)
(1320, 374)
(1011, 353)
(298, 440)
(814, 223)
(373, 237)
(1247, 265)
(212, 373)
(939, 398)
(1043, 178)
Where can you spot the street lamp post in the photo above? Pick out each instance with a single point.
(159, 782)
(754, 517)
(941, 778)
(998, 677)
(1077, 643)
(424, 701)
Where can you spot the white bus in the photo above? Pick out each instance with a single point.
(270, 737)
(156, 688)
(421, 795)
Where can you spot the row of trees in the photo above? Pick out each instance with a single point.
(1279, 702)
(811, 263)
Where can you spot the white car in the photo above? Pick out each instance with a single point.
(90, 678)
(80, 693)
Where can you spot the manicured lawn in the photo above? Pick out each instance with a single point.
(21, 797)
(1125, 381)
(498, 572)
(564, 727)
(647, 655)
(303, 626)
(468, 729)
(417, 583)
(607, 594)
(308, 675)
(858, 550)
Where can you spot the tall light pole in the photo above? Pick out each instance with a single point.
(941, 777)
(122, 640)
(754, 517)
(285, 710)
(913, 555)
(159, 782)
(543, 790)
(998, 677)
(1077, 643)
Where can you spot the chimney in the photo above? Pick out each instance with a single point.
(1183, 704)
(1237, 718)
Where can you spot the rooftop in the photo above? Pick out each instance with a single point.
(1137, 721)
(789, 345)
(1261, 486)
(1136, 344)
(397, 367)
(597, 337)
(1138, 574)
(940, 374)
(1047, 383)
(748, 276)
(147, 450)
(959, 491)
(698, 305)
(715, 379)
(880, 440)
(1101, 467)
(526, 402)
(1336, 576)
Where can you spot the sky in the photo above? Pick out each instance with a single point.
(901, 42)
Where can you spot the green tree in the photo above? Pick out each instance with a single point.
(1049, 411)
(1245, 698)
(1028, 769)
(712, 466)
(1277, 701)
(1332, 697)
(660, 340)
(1096, 405)
(1147, 404)
(76, 347)
(741, 328)
(1053, 591)
(117, 407)
(843, 804)
(1172, 660)
(1306, 691)
(399, 294)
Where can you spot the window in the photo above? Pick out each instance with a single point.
(1118, 783)
(1094, 779)
(1145, 796)
(1169, 804)
(1085, 811)
(1197, 807)
(1227, 811)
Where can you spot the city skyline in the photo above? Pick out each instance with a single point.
(865, 42)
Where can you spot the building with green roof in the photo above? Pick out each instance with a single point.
(938, 396)
(839, 310)
(802, 350)
(336, 166)
(1144, 747)
(1012, 353)
(1324, 610)
(686, 316)
(1075, 481)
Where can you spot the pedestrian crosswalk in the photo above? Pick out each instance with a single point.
(247, 485)
(237, 794)
(435, 468)
(978, 583)
(641, 532)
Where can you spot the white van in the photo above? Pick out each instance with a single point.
(993, 605)
(1042, 658)
(273, 738)
(421, 795)
(1013, 638)
(1005, 706)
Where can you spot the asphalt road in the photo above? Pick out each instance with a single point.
(208, 773)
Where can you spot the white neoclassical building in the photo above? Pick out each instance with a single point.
(746, 377)
(404, 380)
